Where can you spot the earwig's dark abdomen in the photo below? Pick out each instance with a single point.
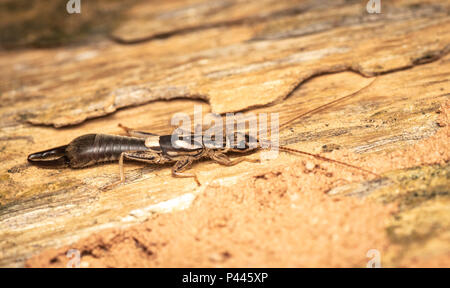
(91, 149)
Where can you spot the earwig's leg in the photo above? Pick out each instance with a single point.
(141, 156)
(135, 133)
(121, 171)
(182, 165)
(224, 160)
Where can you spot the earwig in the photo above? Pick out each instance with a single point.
(91, 149)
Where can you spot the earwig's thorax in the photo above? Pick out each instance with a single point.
(242, 142)
(177, 145)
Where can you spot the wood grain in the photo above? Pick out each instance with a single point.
(288, 58)
(231, 67)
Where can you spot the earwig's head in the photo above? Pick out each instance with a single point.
(52, 158)
(243, 142)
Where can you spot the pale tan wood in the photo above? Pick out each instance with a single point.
(233, 68)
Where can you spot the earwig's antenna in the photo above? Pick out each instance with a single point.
(320, 108)
(317, 156)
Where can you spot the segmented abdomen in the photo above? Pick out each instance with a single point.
(91, 149)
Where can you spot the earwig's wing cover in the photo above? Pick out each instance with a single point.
(51, 158)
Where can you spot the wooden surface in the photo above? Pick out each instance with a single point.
(261, 62)
(265, 56)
